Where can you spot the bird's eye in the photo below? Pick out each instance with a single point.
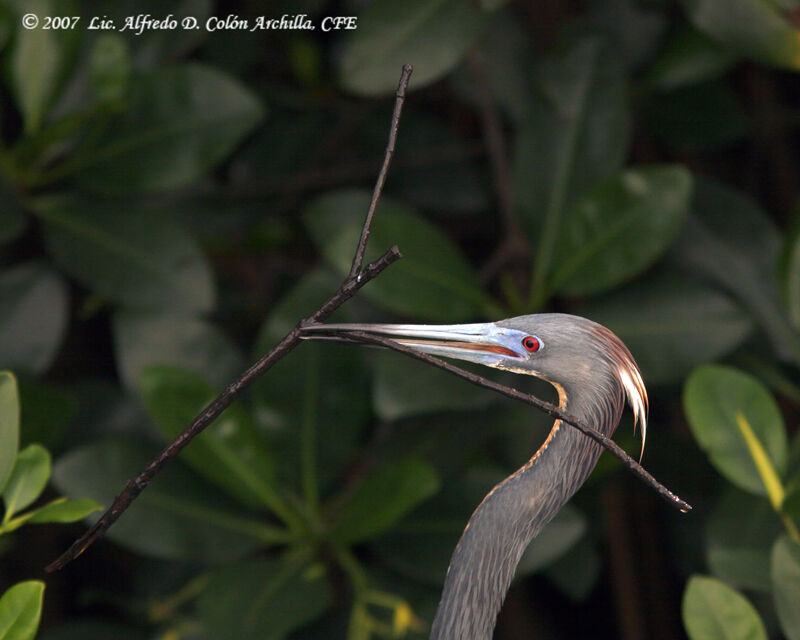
(531, 343)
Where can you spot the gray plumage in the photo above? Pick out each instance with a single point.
(593, 373)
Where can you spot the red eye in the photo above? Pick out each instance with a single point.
(531, 343)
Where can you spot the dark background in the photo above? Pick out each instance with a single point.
(171, 203)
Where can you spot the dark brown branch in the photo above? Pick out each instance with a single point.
(400, 98)
(358, 278)
(552, 410)
(513, 245)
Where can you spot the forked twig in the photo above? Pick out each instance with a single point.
(357, 278)
(551, 409)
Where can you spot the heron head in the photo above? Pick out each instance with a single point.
(571, 352)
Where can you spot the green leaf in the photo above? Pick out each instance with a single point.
(143, 338)
(64, 510)
(713, 611)
(110, 67)
(713, 398)
(33, 317)
(36, 61)
(432, 281)
(9, 425)
(772, 483)
(558, 537)
(421, 544)
(576, 134)
(620, 228)
(20, 610)
(671, 323)
(751, 28)
(180, 122)
(28, 479)
(791, 501)
(384, 496)
(178, 517)
(786, 585)
(154, 47)
(576, 573)
(402, 388)
(732, 242)
(636, 29)
(320, 390)
(505, 44)
(229, 453)
(687, 59)
(739, 537)
(431, 35)
(263, 599)
(140, 259)
(454, 185)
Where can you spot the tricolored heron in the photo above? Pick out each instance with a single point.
(593, 373)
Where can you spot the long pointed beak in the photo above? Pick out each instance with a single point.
(484, 343)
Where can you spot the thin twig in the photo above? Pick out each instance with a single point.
(400, 98)
(514, 244)
(552, 410)
(358, 278)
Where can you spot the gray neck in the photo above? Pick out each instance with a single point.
(512, 514)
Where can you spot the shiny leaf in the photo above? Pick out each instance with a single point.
(143, 338)
(139, 259)
(263, 599)
(33, 317)
(178, 517)
(729, 240)
(671, 324)
(319, 389)
(20, 610)
(575, 136)
(420, 545)
(28, 479)
(383, 497)
(229, 453)
(620, 228)
(739, 536)
(555, 540)
(110, 67)
(431, 35)
(791, 501)
(713, 398)
(64, 510)
(402, 388)
(786, 585)
(9, 425)
(179, 122)
(714, 611)
(36, 61)
(688, 58)
(432, 281)
(751, 28)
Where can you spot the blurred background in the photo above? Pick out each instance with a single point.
(174, 196)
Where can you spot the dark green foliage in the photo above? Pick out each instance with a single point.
(173, 200)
